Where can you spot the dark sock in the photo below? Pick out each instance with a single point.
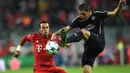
(76, 37)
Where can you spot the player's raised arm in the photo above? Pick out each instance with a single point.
(117, 10)
(18, 49)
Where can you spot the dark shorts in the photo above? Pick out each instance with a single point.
(92, 48)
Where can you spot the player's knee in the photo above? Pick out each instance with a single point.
(86, 33)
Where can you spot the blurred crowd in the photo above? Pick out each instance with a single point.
(18, 17)
(25, 14)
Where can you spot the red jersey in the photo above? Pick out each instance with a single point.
(41, 57)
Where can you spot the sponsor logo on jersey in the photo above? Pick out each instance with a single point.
(90, 27)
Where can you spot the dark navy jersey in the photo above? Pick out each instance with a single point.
(93, 24)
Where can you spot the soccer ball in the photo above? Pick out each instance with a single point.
(52, 47)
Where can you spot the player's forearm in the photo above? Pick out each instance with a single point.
(18, 49)
(117, 10)
(17, 52)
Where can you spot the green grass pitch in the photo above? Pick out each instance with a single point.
(99, 69)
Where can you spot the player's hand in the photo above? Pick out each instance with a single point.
(122, 2)
(16, 54)
(53, 37)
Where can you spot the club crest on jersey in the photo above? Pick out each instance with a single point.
(37, 41)
(29, 35)
(93, 17)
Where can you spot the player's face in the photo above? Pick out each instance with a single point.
(44, 29)
(85, 14)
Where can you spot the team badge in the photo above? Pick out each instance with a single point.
(37, 41)
(93, 17)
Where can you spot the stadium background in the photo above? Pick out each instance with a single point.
(20, 17)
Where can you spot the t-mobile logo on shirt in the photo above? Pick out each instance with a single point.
(39, 48)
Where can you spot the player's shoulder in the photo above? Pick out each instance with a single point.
(76, 18)
(99, 12)
(31, 35)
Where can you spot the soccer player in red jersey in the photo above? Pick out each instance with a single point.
(43, 62)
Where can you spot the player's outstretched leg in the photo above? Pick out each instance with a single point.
(76, 37)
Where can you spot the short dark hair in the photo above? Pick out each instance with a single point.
(84, 7)
(44, 22)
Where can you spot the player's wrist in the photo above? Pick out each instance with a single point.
(18, 48)
(17, 52)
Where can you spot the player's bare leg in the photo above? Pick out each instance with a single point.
(87, 69)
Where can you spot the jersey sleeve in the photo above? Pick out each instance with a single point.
(75, 22)
(58, 40)
(102, 15)
(28, 37)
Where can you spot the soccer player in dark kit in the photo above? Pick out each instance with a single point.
(92, 31)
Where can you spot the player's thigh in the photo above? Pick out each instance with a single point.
(86, 34)
(57, 69)
(95, 43)
(87, 69)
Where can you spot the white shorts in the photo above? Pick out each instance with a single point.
(2, 65)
